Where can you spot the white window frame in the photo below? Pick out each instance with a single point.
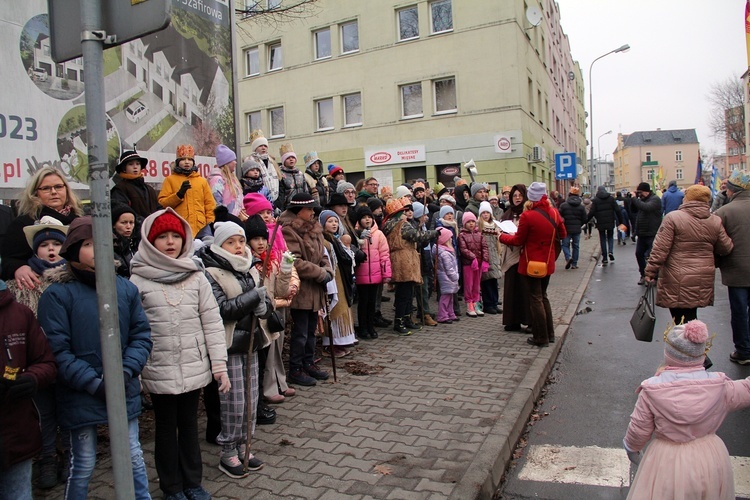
(345, 108)
(678, 155)
(432, 16)
(248, 63)
(324, 107)
(343, 38)
(249, 122)
(317, 45)
(274, 132)
(435, 96)
(398, 23)
(678, 175)
(648, 156)
(271, 48)
(401, 89)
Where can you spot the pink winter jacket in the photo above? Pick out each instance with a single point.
(377, 268)
(681, 405)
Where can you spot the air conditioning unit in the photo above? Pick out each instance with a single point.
(538, 154)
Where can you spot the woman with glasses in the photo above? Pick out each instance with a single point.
(47, 193)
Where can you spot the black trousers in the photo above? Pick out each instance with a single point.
(366, 307)
(177, 452)
(683, 314)
(302, 341)
(403, 298)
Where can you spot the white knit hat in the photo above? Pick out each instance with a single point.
(225, 230)
(536, 191)
(485, 207)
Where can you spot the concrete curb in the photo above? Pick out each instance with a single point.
(488, 466)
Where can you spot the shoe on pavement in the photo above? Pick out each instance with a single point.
(612, 257)
(479, 308)
(568, 263)
(231, 465)
(275, 399)
(253, 462)
(265, 415)
(316, 372)
(175, 496)
(428, 321)
(300, 378)
(470, 311)
(445, 322)
(492, 310)
(536, 344)
(48, 474)
(512, 328)
(197, 493)
(289, 392)
(381, 322)
(400, 328)
(574, 266)
(605, 261)
(734, 357)
(642, 281)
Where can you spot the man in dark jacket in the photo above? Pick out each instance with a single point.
(574, 213)
(27, 364)
(607, 213)
(646, 224)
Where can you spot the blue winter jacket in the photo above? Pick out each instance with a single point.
(671, 199)
(69, 315)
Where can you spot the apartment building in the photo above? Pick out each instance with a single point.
(400, 90)
(735, 138)
(657, 157)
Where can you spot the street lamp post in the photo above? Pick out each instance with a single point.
(597, 168)
(623, 48)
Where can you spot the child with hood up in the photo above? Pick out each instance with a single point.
(189, 347)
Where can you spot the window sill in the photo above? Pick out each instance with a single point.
(412, 117)
(273, 70)
(327, 129)
(443, 113)
(325, 58)
(352, 125)
(402, 40)
(441, 32)
(350, 53)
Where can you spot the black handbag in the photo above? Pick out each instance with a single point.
(644, 317)
(276, 321)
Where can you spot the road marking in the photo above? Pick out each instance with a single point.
(595, 466)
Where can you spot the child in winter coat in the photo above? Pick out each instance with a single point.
(27, 366)
(372, 273)
(282, 284)
(474, 259)
(225, 186)
(252, 180)
(228, 261)
(681, 408)
(447, 275)
(189, 347)
(131, 189)
(69, 315)
(489, 285)
(292, 180)
(126, 238)
(447, 219)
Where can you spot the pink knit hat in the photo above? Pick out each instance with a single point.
(444, 235)
(685, 345)
(468, 217)
(255, 203)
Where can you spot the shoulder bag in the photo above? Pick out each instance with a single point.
(644, 317)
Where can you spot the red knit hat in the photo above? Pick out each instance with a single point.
(166, 222)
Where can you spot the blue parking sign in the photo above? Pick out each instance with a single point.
(565, 166)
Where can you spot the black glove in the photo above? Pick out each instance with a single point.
(328, 277)
(24, 386)
(99, 392)
(183, 189)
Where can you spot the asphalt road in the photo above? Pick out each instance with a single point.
(592, 393)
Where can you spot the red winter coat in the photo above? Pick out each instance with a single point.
(472, 246)
(22, 338)
(535, 234)
(377, 268)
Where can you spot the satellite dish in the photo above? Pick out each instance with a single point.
(534, 16)
(571, 76)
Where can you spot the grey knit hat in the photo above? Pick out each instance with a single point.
(343, 186)
(476, 187)
(685, 345)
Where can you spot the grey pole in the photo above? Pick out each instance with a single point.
(92, 45)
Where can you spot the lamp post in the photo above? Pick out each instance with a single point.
(599, 152)
(623, 48)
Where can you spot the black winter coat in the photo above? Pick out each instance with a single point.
(605, 209)
(649, 215)
(574, 213)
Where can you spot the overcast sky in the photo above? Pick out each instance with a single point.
(679, 48)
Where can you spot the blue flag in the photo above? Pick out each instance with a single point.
(699, 173)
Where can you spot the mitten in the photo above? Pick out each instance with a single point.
(287, 262)
(474, 265)
(261, 291)
(24, 386)
(365, 234)
(183, 189)
(485, 267)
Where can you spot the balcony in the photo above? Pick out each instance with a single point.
(649, 164)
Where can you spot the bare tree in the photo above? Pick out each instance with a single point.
(273, 12)
(727, 117)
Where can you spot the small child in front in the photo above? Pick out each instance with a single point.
(447, 275)
(474, 259)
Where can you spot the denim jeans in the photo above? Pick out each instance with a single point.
(83, 460)
(302, 341)
(739, 306)
(575, 240)
(15, 481)
(607, 239)
(642, 250)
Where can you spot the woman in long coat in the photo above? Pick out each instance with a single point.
(516, 308)
(683, 255)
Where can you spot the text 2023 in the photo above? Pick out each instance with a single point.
(13, 126)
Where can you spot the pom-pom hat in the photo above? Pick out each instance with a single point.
(334, 170)
(686, 345)
(255, 228)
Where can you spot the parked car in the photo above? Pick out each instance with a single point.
(40, 75)
(135, 111)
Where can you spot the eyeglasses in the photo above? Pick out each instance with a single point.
(47, 189)
(350, 191)
(374, 184)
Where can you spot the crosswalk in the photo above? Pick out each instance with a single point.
(595, 466)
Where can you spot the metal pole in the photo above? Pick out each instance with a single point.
(92, 45)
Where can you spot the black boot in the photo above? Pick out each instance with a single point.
(400, 328)
(408, 323)
(380, 321)
(266, 415)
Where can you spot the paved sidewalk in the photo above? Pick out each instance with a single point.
(439, 418)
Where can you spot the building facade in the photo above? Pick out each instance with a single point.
(735, 138)
(400, 90)
(657, 157)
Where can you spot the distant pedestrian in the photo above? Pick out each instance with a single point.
(604, 208)
(587, 203)
(720, 198)
(681, 408)
(735, 267)
(574, 214)
(647, 223)
(672, 198)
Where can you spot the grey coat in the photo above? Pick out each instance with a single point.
(735, 267)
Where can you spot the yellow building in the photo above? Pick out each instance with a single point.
(401, 90)
(657, 157)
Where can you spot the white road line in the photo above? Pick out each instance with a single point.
(595, 466)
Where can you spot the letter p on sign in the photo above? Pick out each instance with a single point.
(565, 166)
